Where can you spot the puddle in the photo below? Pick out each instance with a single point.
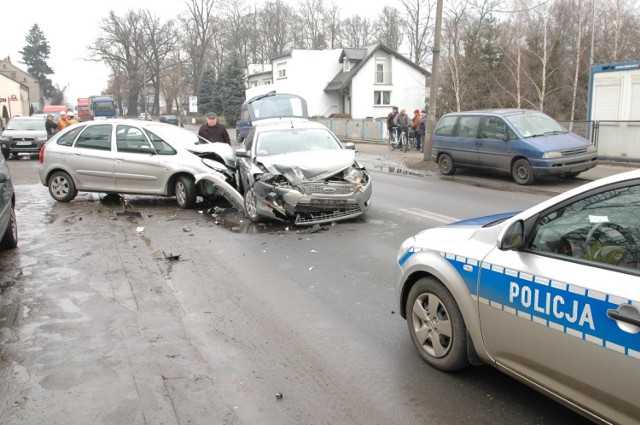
(394, 169)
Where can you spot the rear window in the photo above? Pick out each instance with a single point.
(446, 126)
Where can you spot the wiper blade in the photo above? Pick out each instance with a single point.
(555, 132)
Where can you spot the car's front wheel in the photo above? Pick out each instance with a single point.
(239, 138)
(522, 172)
(251, 205)
(436, 325)
(10, 237)
(61, 187)
(185, 190)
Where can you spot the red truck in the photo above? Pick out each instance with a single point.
(84, 114)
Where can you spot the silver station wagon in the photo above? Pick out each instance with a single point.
(133, 157)
(550, 296)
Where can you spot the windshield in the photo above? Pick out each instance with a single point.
(103, 105)
(535, 124)
(21, 125)
(296, 140)
(277, 106)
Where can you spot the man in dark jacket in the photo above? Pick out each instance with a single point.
(51, 126)
(213, 131)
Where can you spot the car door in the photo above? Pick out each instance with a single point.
(564, 312)
(494, 150)
(91, 159)
(465, 141)
(137, 167)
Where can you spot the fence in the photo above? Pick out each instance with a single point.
(615, 140)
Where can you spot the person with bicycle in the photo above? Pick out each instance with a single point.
(402, 122)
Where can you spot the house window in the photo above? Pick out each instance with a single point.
(383, 71)
(282, 70)
(254, 84)
(381, 97)
(346, 65)
(266, 82)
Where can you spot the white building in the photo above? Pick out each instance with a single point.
(361, 83)
(14, 96)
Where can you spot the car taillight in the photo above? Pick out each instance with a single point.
(41, 156)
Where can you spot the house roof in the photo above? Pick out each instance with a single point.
(343, 79)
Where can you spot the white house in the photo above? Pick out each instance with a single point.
(14, 96)
(362, 82)
(35, 96)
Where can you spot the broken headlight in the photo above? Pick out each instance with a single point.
(353, 175)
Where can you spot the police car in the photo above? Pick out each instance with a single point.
(550, 296)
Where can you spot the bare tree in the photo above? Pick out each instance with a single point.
(175, 84)
(275, 25)
(120, 46)
(310, 25)
(619, 25)
(453, 30)
(159, 42)
(235, 31)
(418, 28)
(200, 29)
(357, 32)
(388, 28)
(332, 26)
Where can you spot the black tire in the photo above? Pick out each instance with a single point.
(439, 335)
(239, 138)
(185, 191)
(10, 237)
(61, 187)
(404, 143)
(250, 205)
(446, 165)
(522, 172)
(6, 154)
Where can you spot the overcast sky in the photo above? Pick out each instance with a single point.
(69, 28)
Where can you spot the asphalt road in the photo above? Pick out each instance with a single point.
(165, 316)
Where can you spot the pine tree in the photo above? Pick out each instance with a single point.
(206, 94)
(232, 91)
(35, 55)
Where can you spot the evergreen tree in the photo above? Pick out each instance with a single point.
(206, 95)
(35, 55)
(232, 91)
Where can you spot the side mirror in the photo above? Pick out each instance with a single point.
(242, 153)
(147, 149)
(351, 146)
(513, 237)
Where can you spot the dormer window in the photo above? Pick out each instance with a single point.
(282, 70)
(346, 66)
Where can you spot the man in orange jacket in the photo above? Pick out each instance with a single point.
(63, 122)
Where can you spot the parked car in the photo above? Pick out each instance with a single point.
(133, 157)
(8, 223)
(526, 143)
(23, 135)
(551, 296)
(169, 119)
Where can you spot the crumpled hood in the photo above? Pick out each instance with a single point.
(309, 165)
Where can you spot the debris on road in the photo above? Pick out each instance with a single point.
(171, 257)
(278, 396)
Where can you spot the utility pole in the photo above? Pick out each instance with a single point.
(433, 92)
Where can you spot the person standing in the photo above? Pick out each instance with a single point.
(63, 122)
(71, 119)
(213, 131)
(51, 126)
(391, 119)
(422, 130)
(402, 121)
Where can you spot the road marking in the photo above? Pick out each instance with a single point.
(430, 215)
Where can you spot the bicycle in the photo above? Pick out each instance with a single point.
(396, 141)
(412, 139)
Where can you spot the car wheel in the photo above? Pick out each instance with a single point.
(239, 138)
(445, 165)
(61, 187)
(10, 237)
(251, 205)
(6, 154)
(185, 190)
(436, 325)
(522, 172)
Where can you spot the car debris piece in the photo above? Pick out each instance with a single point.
(186, 229)
(318, 228)
(171, 257)
(278, 396)
(130, 214)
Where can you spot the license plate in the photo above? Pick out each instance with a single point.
(23, 143)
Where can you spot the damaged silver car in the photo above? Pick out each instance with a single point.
(294, 170)
(299, 171)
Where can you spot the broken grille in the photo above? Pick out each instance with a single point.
(312, 188)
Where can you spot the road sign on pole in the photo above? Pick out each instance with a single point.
(193, 103)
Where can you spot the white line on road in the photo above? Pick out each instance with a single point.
(430, 215)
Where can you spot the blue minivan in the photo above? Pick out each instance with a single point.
(525, 143)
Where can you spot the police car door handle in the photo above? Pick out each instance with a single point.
(623, 317)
